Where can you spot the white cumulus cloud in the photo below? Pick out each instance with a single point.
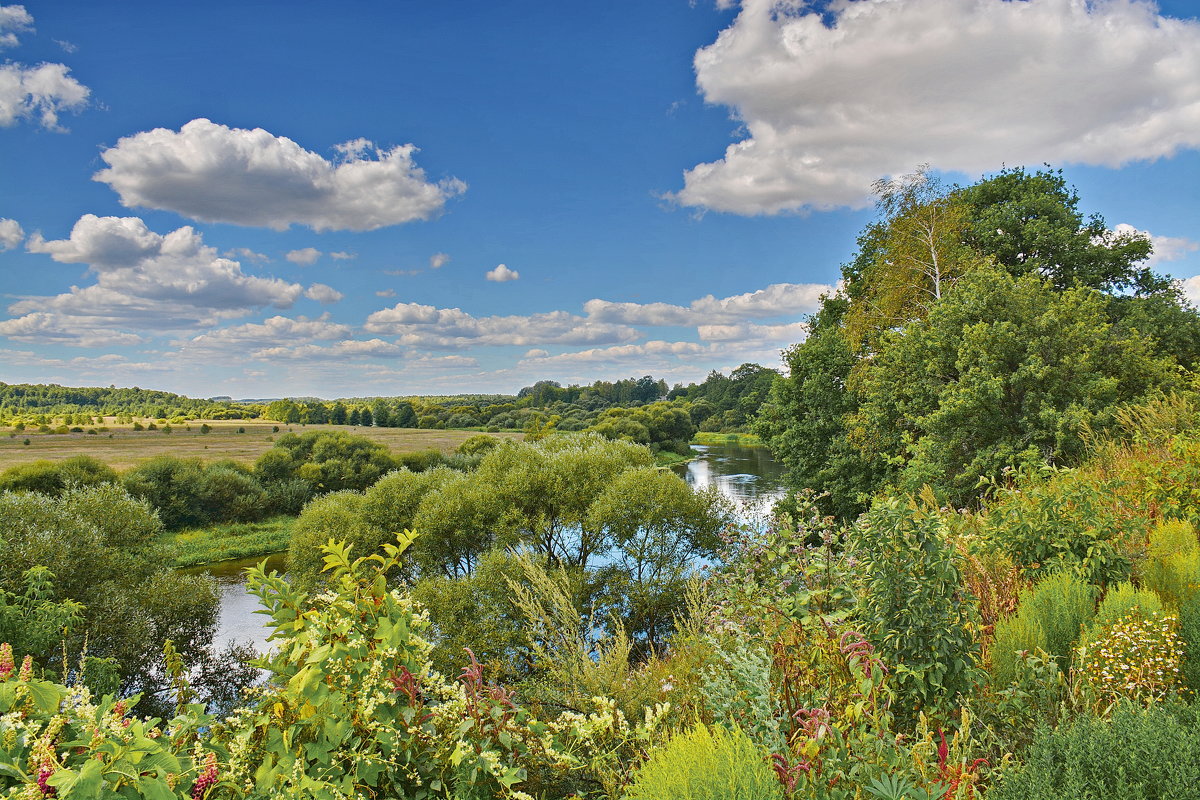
(42, 93)
(11, 234)
(502, 273)
(215, 173)
(778, 299)
(270, 332)
(323, 294)
(965, 85)
(305, 257)
(13, 20)
(427, 326)
(438, 260)
(144, 282)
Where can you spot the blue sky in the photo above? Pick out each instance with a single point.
(265, 199)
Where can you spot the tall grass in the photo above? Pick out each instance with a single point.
(234, 540)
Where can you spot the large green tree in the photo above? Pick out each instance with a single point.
(1051, 320)
(1003, 372)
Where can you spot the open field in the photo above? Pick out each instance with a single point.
(121, 447)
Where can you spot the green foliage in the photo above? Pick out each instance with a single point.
(104, 549)
(344, 674)
(1122, 600)
(912, 607)
(33, 622)
(335, 516)
(477, 444)
(706, 764)
(53, 477)
(1029, 223)
(738, 691)
(659, 426)
(1061, 604)
(60, 741)
(187, 493)
(1066, 521)
(1140, 754)
(977, 329)
(1015, 637)
(330, 461)
(805, 420)
(478, 611)
(1004, 371)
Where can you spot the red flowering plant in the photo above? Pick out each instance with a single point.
(59, 741)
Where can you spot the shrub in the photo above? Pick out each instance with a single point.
(1121, 600)
(477, 444)
(53, 477)
(337, 515)
(1062, 604)
(1141, 754)
(912, 605)
(706, 764)
(1015, 637)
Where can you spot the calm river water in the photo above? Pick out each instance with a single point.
(746, 475)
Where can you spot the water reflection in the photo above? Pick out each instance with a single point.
(236, 620)
(746, 475)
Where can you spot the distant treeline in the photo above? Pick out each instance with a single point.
(722, 403)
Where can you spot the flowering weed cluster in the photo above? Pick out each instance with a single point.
(1138, 658)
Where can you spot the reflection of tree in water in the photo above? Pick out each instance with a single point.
(746, 475)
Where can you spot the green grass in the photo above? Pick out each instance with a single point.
(234, 540)
(743, 439)
(666, 458)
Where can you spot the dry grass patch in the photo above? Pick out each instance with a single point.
(122, 447)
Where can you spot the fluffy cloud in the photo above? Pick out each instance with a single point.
(1166, 248)
(427, 326)
(42, 92)
(144, 282)
(306, 257)
(386, 293)
(778, 299)
(341, 255)
(438, 260)
(252, 336)
(618, 354)
(965, 85)
(214, 173)
(502, 273)
(13, 20)
(323, 294)
(11, 234)
(745, 332)
(338, 351)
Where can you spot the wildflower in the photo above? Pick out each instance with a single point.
(208, 776)
(6, 661)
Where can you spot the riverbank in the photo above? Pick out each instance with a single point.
(739, 439)
(217, 543)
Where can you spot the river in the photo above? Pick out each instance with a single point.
(746, 475)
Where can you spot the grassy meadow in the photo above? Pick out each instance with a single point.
(122, 447)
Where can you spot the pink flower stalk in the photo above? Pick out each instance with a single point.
(6, 661)
(208, 776)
